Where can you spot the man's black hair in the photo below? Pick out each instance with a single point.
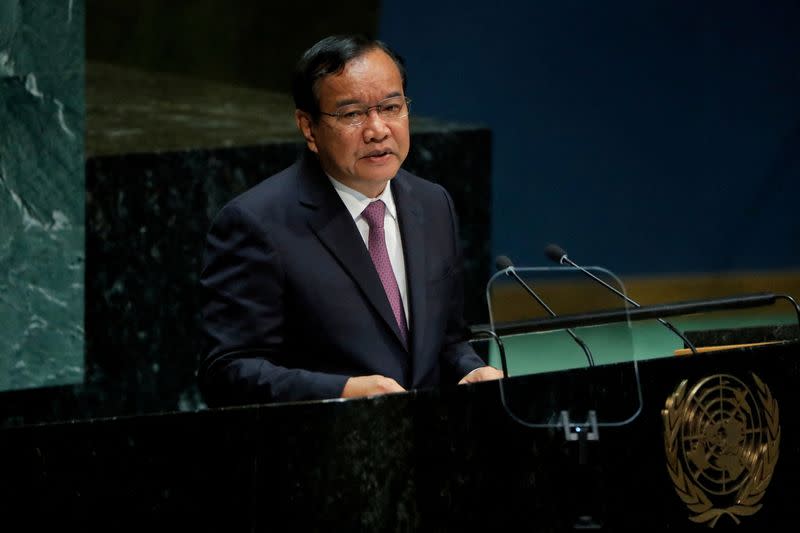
(329, 56)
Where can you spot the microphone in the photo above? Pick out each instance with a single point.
(556, 253)
(503, 263)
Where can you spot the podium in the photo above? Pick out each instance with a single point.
(442, 459)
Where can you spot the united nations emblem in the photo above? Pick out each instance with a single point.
(722, 444)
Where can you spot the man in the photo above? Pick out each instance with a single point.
(341, 275)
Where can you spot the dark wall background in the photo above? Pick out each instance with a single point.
(242, 42)
(658, 136)
(648, 137)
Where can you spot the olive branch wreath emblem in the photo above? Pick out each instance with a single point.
(761, 464)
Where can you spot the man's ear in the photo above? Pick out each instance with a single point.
(304, 123)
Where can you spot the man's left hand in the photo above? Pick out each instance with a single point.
(484, 373)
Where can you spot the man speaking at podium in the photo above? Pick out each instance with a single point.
(341, 275)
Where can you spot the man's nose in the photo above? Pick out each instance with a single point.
(375, 127)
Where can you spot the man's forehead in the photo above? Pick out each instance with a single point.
(370, 60)
(371, 75)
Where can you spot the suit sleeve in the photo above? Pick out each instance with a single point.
(458, 357)
(243, 291)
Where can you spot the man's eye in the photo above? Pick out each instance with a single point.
(352, 114)
(391, 108)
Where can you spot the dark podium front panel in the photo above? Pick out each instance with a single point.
(722, 449)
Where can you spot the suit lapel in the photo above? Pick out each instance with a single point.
(335, 228)
(411, 220)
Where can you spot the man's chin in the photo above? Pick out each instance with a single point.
(378, 172)
(378, 178)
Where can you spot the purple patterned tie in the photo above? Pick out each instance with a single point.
(373, 214)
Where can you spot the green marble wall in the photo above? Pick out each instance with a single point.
(41, 192)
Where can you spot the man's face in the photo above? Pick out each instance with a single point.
(367, 156)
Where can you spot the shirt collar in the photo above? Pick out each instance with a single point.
(356, 202)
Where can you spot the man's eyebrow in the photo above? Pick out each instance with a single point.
(349, 101)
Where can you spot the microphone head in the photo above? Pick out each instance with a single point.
(503, 262)
(554, 252)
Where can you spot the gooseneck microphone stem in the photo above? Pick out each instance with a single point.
(564, 259)
(511, 271)
(483, 332)
(794, 303)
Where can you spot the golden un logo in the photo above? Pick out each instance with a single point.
(722, 444)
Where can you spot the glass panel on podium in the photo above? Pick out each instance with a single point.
(571, 378)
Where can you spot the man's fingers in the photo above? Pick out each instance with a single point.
(395, 386)
(370, 386)
(484, 373)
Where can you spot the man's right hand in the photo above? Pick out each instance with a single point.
(359, 386)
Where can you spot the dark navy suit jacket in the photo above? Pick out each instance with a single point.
(293, 305)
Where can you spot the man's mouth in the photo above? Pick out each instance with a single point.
(378, 155)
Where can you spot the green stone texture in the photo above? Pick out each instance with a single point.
(42, 129)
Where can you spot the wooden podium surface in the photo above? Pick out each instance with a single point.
(436, 460)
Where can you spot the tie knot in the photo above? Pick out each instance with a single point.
(373, 214)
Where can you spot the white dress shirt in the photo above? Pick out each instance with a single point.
(355, 202)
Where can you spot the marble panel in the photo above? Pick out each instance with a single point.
(41, 193)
